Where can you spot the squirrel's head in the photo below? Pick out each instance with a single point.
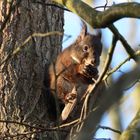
(88, 48)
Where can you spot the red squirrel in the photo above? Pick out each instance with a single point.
(75, 67)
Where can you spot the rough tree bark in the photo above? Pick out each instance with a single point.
(21, 76)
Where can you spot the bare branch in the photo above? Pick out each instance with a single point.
(98, 19)
(118, 67)
(127, 47)
(34, 127)
(109, 128)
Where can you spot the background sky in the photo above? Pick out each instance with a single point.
(130, 29)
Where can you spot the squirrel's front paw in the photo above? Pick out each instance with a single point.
(70, 96)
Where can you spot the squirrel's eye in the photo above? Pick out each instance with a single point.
(85, 48)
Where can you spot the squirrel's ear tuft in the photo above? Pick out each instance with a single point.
(99, 34)
(83, 32)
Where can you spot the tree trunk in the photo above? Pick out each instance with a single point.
(23, 58)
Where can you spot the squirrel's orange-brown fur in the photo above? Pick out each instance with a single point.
(75, 66)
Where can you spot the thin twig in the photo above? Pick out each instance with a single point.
(125, 44)
(41, 128)
(106, 4)
(67, 38)
(109, 128)
(133, 84)
(67, 124)
(97, 7)
(53, 5)
(137, 53)
(27, 125)
(19, 48)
